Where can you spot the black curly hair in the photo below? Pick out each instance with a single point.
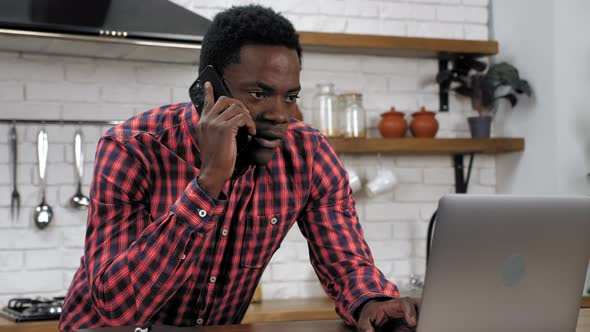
(245, 25)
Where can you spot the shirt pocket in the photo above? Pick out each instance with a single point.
(263, 236)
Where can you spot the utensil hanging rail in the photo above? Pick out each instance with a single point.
(63, 122)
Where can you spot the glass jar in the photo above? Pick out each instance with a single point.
(353, 115)
(325, 111)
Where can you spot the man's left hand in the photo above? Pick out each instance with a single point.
(402, 313)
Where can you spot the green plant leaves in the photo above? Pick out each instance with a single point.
(501, 78)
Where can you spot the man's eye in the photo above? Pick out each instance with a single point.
(292, 99)
(257, 94)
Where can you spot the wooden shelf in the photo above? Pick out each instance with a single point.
(428, 145)
(392, 45)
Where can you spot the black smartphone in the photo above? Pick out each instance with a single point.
(197, 94)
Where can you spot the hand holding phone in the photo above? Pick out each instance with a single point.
(196, 91)
(223, 119)
(197, 95)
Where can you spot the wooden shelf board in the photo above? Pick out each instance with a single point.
(428, 145)
(392, 45)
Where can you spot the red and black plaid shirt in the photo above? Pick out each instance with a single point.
(158, 249)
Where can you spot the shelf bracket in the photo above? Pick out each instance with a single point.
(443, 87)
(461, 181)
(461, 65)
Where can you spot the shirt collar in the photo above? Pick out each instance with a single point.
(191, 117)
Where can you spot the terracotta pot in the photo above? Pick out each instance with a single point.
(393, 124)
(424, 124)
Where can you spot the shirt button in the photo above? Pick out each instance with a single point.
(224, 232)
(183, 257)
(213, 279)
(274, 221)
(200, 321)
(202, 213)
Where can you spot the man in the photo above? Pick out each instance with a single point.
(178, 234)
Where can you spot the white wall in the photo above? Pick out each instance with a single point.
(572, 84)
(34, 262)
(550, 47)
(526, 40)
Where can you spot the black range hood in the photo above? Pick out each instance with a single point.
(154, 20)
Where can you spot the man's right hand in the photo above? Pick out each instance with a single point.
(216, 133)
(397, 315)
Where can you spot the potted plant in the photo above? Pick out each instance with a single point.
(501, 81)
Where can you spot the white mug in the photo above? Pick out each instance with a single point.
(384, 181)
(354, 181)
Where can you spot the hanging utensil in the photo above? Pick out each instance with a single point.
(43, 212)
(79, 200)
(15, 196)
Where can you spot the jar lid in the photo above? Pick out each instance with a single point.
(423, 111)
(392, 111)
(324, 83)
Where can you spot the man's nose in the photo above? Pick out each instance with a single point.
(277, 111)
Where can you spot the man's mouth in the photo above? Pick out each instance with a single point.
(269, 143)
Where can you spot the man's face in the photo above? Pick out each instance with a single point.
(267, 81)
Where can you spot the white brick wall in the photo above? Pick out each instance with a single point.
(34, 86)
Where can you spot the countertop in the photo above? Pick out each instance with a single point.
(308, 326)
(315, 310)
(267, 311)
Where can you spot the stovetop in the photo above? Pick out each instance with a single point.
(27, 309)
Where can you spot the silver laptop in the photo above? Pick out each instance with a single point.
(506, 263)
